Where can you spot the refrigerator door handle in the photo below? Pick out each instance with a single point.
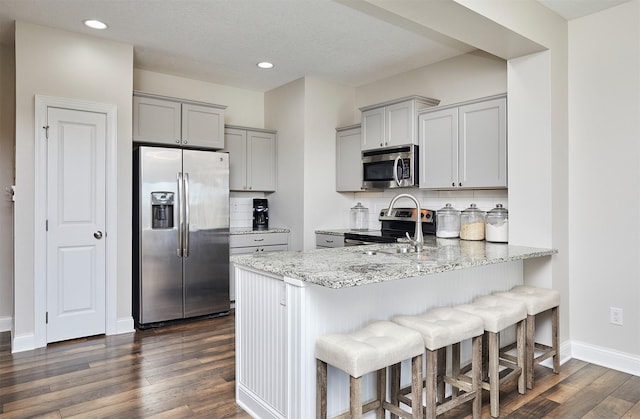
(180, 215)
(186, 215)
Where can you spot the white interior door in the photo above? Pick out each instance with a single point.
(76, 153)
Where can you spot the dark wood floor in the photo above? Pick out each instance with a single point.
(188, 371)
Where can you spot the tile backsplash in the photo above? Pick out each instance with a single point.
(241, 207)
(240, 212)
(434, 200)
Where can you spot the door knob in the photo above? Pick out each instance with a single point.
(97, 235)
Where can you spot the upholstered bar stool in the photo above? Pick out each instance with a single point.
(498, 313)
(537, 301)
(373, 348)
(442, 327)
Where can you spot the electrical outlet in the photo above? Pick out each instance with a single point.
(615, 316)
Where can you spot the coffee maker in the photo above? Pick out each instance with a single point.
(260, 214)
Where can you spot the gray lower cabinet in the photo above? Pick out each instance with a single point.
(328, 240)
(170, 121)
(252, 158)
(348, 159)
(464, 145)
(240, 244)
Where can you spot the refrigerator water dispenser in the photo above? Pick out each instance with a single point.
(161, 210)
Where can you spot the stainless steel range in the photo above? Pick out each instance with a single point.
(394, 226)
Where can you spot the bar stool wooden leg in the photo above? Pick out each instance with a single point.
(416, 386)
(442, 369)
(555, 323)
(431, 383)
(455, 367)
(530, 347)
(520, 338)
(476, 375)
(356, 397)
(395, 387)
(321, 389)
(494, 376)
(381, 390)
(485, 357)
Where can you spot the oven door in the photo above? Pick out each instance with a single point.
(390, 168)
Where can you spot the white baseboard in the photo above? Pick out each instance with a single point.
(5, 323)
(605, 357)
(23, 343)
(125, 325)
(254, 405)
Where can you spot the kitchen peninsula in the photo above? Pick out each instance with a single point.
(285, 300)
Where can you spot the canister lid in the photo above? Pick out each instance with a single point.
(499, 210)
(472, 210)
(359, 207)
(448, 210)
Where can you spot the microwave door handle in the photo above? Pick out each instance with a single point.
(395, 170)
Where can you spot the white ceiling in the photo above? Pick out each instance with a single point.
(221, 40)
(572, 9)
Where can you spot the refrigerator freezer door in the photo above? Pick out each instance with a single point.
(206, 264)
(160, 270)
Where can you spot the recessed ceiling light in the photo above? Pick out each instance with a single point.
(95, 24)
(265, 64)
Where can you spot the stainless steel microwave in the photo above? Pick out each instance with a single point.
(393, 167)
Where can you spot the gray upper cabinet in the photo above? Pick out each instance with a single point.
(348, 159)
(202, 126)
(161, 120)
(392, 123)
(156, 121)
(252, 159)
(464, 145)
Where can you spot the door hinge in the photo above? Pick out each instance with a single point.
(46, 317)
(46, 131)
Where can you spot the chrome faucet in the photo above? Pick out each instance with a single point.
(418, 239)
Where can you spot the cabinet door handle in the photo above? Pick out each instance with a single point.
(460, 184)
(177, 141)
(453, 184)
(258, 240)
(185, 142)
(329, 241)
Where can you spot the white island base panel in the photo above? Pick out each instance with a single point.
(278, 320)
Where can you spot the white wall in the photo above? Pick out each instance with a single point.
(285, 111)
(327, 107)
(79, 67)
(465, 77)
(244, 107)
(7, 154)
(604, 128)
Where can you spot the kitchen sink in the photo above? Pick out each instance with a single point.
(396, 250)
(391, 251)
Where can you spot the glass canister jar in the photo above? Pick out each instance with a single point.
(497, 226)
(359, 217)
(448, 222)
(472, 223)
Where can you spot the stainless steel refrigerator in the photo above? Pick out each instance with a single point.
(181, 234)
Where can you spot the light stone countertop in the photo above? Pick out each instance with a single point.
(250, 230)
(352, 266)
